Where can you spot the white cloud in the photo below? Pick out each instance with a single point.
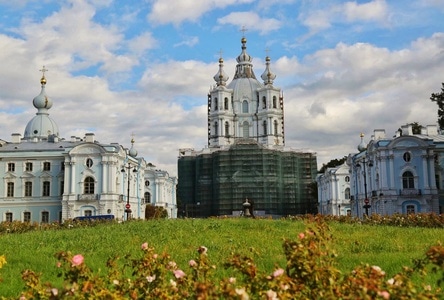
(188, 41)
(376, 10)
(251, 21)
(177, 11)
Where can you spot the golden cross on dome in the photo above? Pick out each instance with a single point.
(243, 31)
(43, 70)
(132, 138)
(267, 51)
(220, 53)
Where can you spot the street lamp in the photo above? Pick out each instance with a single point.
(366, 201)
(128, 205)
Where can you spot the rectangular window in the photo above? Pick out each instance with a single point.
(45, 217)
(26, 216)
(11, 167)
(10, 190)
(8, 216)
(28, 189)
(46, 188)
(28, 167)
(88, 213)
(46, 166)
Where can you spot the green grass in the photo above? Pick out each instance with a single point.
(385, 246)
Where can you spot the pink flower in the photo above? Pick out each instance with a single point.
(179, 273)
(77, 260)
(232, 280)
(192, 263)
(384, 294)
(151, 278)
(301, 235)
(59, 264)
(144, 246)
(271, 295)
(278, 272)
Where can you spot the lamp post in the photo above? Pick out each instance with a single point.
(366, 201)
(128, 205)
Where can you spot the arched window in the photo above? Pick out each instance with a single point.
(88, 185)
(264, 102)
(274, 102)
(246, 130)
(226, 103)
(347, 193)
(216, 128)
(215, 104)
(147, 197)
(264, 124)
(245, 106)
(347, 178)
(408, 181)
(275, 127)
(227, 129)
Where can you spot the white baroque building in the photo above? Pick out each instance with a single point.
(46, 178)
(334, 191)
(390, 175)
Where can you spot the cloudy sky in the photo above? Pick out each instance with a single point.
(144, 67)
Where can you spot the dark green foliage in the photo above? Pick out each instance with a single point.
(439, 99)
(332, 163)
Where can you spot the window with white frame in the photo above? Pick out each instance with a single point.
(46, 166)
(10, 189)
(8, 217)
(88, 185)
(226, 103)
(11, 167)
(27, 216)
(28, 167)
(46, 188)
(347, 193)
(245, 106)
(45, 217)
(408, 181)
(147, 197)
(28, 189)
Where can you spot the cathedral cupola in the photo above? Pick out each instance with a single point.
(268, 76)
(221, 77)
(132, 151)
(41, 126)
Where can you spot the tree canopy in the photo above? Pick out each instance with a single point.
(439, 99)
(333, 163)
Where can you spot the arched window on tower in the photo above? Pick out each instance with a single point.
(227, 129)
(264, 124)
(245, 106)
(264, 102)
(274, 102)
(215, 104)
(347, 193)
(226, 103)
(88, 185)
(245, 130)
(275, 127)
(408, 181)
(216, 129)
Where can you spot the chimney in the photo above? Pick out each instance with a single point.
(407, 129)
(16, 138)
(379, 134)
(432, 130)
(89, 138)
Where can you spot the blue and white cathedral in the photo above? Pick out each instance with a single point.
(47, 178)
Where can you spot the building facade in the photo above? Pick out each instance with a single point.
(390, 175)
(246, 157)
(334, 191)
(46, 178)
(398, 175)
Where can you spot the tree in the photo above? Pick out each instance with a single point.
(332, 163)
(439, 99)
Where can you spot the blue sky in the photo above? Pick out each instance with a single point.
(145, 67)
